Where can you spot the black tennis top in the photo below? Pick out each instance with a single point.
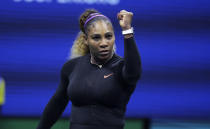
(99, 94)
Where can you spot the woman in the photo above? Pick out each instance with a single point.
(97, 81)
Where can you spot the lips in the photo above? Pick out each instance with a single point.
(104, 52)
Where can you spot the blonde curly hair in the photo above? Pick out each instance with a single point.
(79, 48)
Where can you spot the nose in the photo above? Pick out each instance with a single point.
(104, 43)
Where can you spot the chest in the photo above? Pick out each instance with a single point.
(94, 84)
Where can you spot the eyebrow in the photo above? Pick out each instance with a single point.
(108, 33)
(95, 35)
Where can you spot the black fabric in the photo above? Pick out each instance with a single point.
(84, 126)
(99, 95)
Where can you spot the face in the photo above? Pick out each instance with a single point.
(100, 39)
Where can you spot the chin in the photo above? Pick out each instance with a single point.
(104, 57)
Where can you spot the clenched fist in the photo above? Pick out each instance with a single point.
(125, 19)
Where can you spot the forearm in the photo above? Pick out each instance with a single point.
(56, 105)
(52, 111)
(132, 65)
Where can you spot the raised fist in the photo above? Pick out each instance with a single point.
(125, 19)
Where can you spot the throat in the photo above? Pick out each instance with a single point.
(99, 62)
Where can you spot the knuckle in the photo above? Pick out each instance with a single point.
(123, 10)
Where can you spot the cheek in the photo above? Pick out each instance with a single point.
(113, 40)
(111, 43)
(93, 47)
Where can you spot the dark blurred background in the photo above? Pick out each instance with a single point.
(173, 37)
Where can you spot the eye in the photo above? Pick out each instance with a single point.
(109, 36)
(96, 37)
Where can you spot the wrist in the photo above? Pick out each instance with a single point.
(127, 36)
(126, 28)
(128, 31)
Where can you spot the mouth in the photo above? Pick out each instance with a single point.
(104, 52)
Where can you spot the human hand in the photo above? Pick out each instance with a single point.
(125, 19)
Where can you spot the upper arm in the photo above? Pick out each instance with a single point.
(64, 79)
(131, 69)
(131, 75)
(61, 91)
(57, 103)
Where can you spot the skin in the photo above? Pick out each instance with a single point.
(125, 20)
(100, 37)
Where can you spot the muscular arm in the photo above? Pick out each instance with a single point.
(56, 105)
(131, 70)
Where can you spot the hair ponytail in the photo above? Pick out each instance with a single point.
(79, 48)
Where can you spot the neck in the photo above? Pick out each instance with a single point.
(96, 61)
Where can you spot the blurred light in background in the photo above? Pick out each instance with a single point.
(172, 36)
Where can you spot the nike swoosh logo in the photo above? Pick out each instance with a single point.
(106, 76)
